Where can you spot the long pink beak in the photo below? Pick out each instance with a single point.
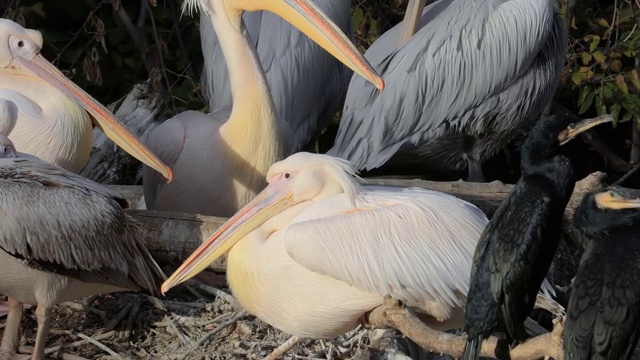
(269, 202)
(39, 67)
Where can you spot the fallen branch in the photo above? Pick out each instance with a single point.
(60, 348)
(172, 237)
(392, 314)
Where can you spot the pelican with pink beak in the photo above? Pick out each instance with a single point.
(54, 115)
(316, 250)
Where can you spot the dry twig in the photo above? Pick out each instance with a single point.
(393, 314)
(213, 332)
(286, 346)
(216, 292)
(99, 344)
(57, 349)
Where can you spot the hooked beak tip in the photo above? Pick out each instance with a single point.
(575, 129)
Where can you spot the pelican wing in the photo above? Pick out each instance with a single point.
(22, 104)
(456, 67)
(166, 141)
(416, 245)
(307, 84)
(34, 171)
(60, 222)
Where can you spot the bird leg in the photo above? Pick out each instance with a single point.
(43, 314)
(475, 170)
(10, 339)
(393, 314)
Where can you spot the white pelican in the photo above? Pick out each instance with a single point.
(306, 83)
(62, 237)
(315, 250)
(220, 159)
(53, 114)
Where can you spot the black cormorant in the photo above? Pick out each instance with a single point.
(602, 316)
(518, 245)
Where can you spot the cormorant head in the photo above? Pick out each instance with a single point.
(605, 210)
(550, 133)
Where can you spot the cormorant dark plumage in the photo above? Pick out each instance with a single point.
(603, 315)
(517, 247)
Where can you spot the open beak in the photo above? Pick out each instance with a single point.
(39, 67)
(618, 198)
(269, 202)
(308, 18)
(574, 129)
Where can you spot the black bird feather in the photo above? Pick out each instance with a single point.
(602, 316)
(516, 249)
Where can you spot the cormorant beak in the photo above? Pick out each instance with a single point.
(271, 201)
(574, 129)
(38, 67)
(618, 198)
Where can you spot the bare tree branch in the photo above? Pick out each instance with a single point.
(393, 314)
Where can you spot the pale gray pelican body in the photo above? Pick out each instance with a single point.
(53, 114)
(62, 237)
(474, 76)
(220, 159)
(306, 83)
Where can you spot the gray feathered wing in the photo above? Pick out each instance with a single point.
(60, 222)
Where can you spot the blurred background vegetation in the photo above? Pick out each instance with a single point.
(108, 46)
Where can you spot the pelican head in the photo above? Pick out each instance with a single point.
(7, 149)
(302, 177)
(20, 55)
(306, 17)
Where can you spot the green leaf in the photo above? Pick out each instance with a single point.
(594, 43)
(631, 103)
(614, 110)
(601, 108)
(621, 84)
(587, 94)
(358, 17)
(599, 56)
(576, 77)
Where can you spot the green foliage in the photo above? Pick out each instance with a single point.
(601, 74)
(88, 40)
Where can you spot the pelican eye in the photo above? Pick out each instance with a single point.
(20, 43)
(287, 175)
(5, 149)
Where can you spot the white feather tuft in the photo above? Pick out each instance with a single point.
(198, 6)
